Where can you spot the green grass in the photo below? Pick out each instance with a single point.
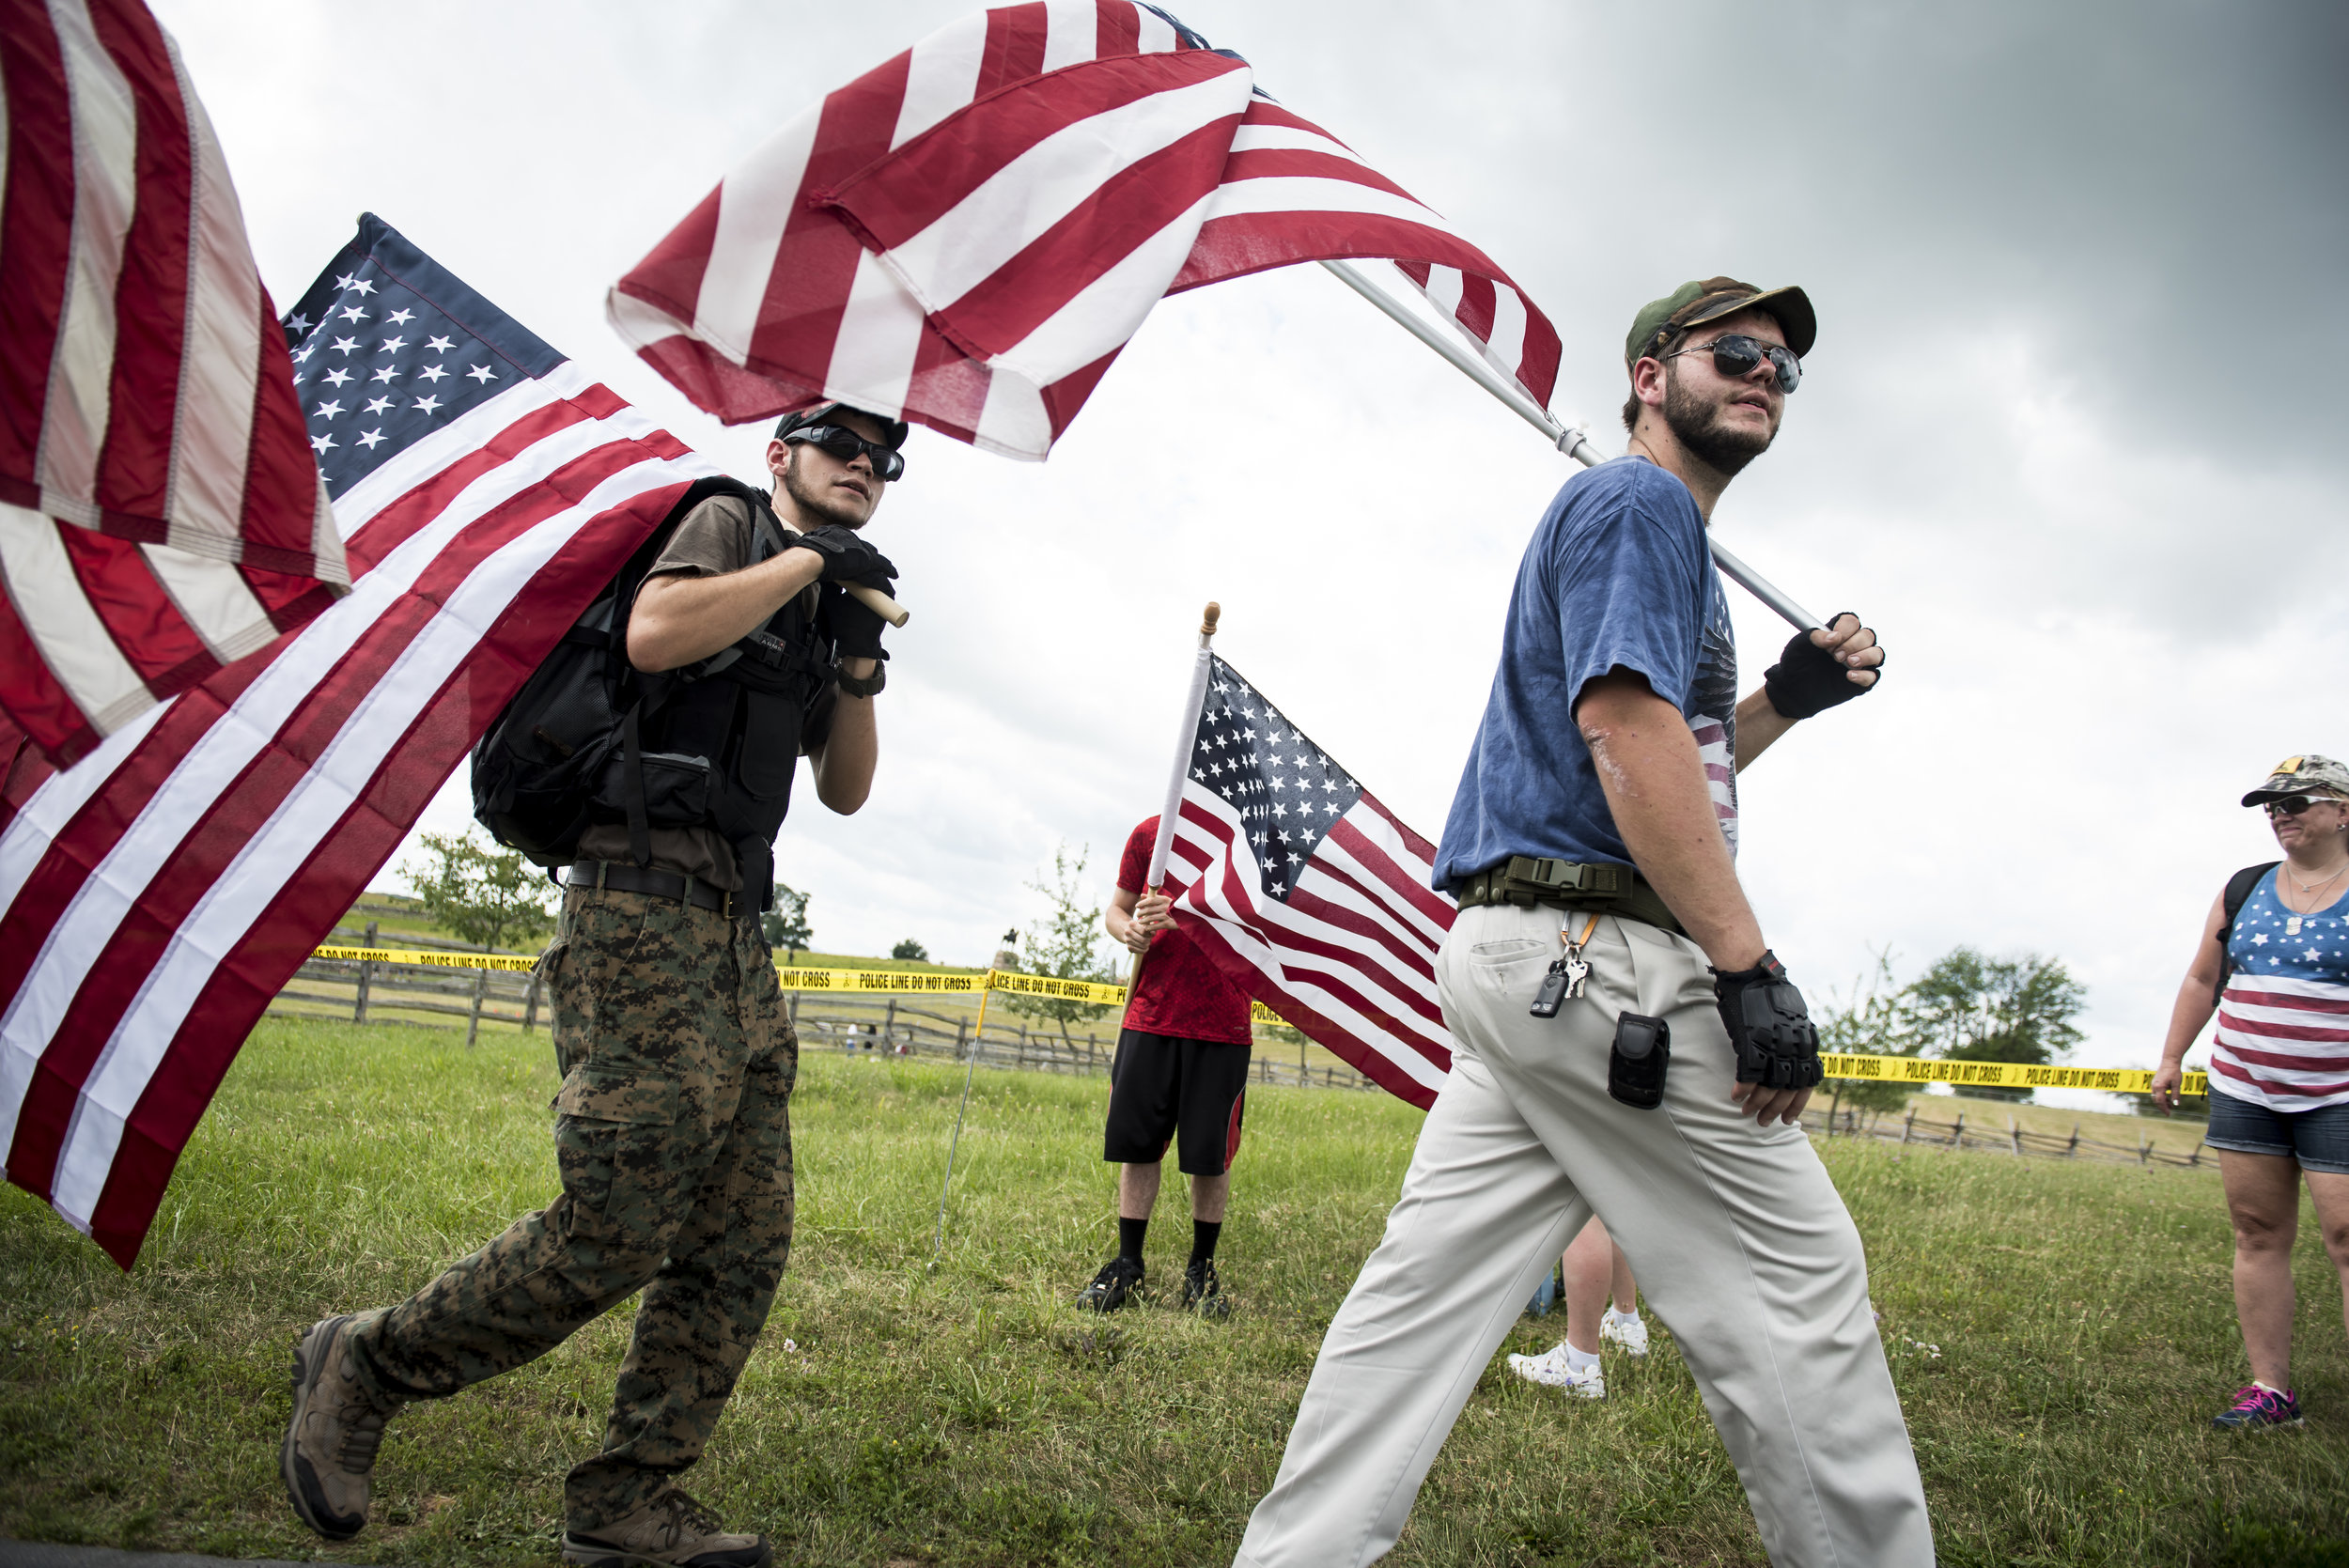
(2082, 1314)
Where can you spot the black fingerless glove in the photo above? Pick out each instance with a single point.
(1769, 1028)
(847, 557)
(1807, 679)
(855, 628)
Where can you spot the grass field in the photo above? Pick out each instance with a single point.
(2060, 1334)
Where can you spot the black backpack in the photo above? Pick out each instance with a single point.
(538, 769)
(2238, 893)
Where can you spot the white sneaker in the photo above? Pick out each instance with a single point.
(1551, 1370)
(1625, 1330)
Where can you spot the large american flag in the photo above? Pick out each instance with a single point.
(155, 896)
(967, 235)
(160, 514)
(1309, 894)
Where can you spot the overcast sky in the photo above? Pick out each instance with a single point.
(2068, 439)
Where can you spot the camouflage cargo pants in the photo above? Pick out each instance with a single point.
(674, 1141)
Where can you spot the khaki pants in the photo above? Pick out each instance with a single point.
(673, 1136)
(1741, 1245)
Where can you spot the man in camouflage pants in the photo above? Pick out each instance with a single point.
(672, 1132)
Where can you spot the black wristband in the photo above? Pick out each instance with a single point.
(870, 686)
(1807, 681)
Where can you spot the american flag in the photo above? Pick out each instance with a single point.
(154, 897)
(967, 235)
(1309, 894)
(159, 515)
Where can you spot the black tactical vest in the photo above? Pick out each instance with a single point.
(589, 738)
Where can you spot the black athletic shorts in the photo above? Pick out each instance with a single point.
(1161, 1084)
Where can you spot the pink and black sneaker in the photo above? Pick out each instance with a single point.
(2257, 1407)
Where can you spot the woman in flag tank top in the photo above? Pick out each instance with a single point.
(2274, 965)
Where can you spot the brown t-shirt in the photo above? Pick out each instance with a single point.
(714, 538)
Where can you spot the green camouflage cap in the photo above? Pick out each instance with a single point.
(1713, 297)
(2307, 774)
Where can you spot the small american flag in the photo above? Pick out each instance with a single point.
(1309, 894)
(967, 235)
(159, 515)
(154, 897)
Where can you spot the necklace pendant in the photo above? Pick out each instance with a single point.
(2292, 926)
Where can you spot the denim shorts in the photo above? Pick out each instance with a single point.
(2318, 1138)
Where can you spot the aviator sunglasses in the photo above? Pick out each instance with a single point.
(844, 444)
(2293, 805)
(1735, 355)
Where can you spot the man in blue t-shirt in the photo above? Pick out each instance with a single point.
(1625, 1044)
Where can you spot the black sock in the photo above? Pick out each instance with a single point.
(1203, 1237)
(1129, 1235)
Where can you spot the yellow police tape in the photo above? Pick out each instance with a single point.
(1881, 1069)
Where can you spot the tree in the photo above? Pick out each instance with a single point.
(480, 896)
(1066, 944)
(1870, 1023)
(910, 951)
(1969, 1007)
(785, 924)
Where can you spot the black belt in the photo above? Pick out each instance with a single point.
(1525, 881)
(619, 876)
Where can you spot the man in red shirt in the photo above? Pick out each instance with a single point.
(1181, 1069)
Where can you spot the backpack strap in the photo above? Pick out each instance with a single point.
(632, 788)
(2238, 893)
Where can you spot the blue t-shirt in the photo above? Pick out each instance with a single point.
(1617, 574)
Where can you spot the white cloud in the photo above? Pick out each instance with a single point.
(2028, 449)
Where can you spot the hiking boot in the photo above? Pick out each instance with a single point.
(2258, 1408)
(671, 1532)
(1118, 1282)
(328, 1454)
(1552, 1370)
(1625, 1330)
(1203, 1293)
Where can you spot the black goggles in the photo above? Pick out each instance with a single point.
(2293, 805)
(844, 444)
(1735, 355)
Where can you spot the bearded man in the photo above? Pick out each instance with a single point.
(672, 1130)
(1624, 1043)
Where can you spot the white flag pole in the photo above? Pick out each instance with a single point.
(1574, 443)
(1186, 736)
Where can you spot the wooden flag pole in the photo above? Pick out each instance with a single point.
(1573, 442)
(1186, 736)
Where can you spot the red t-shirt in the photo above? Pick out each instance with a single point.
(1181, 993)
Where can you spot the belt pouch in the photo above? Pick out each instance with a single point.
(1636, 1065)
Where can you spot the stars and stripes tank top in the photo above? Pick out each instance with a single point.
(2283, 1019)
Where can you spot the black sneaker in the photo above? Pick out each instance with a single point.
(1203, 1293)
(1118, 1282)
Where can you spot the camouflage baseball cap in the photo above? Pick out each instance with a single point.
(2307, 774)
(1713, 297)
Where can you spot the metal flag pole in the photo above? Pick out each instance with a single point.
(1574, 443)
(1185, 734)
(979, 1044)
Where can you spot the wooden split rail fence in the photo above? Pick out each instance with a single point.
(378, 992)
(887, 1026)
(1922, 1132)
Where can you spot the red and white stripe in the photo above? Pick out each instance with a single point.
(155, 897)
(161, 514)
(967, 235)
(1350, 958)
(2283, 1043)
